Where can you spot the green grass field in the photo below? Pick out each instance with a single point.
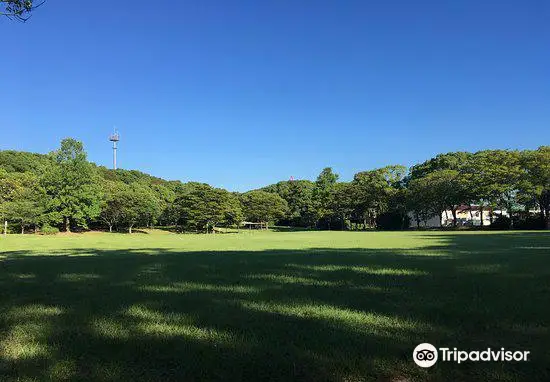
(304, 306)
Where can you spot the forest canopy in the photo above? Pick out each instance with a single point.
(62, 190)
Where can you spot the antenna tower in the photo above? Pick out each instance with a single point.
(115, 137)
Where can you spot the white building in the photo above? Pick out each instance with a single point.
(465, 216)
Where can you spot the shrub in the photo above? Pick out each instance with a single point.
(529, 222)
(392, 221)
(501, 222)
(48, 230)
(520, 222)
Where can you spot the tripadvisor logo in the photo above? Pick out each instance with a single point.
(426, 355)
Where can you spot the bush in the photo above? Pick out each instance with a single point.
(392, 221)
(48, 230)
(501, 222)
(529, 222)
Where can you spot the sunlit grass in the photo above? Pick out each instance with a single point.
(26, 335)
(359, 269)
(32, 312)
(111, 328)
(24, 341)
(76, 277)
(355, 320)
(193, 287)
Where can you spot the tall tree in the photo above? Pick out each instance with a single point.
(113, 203)
(422, 200)
(322, 193)
(166, 197)
(203, 207)
(492, 179)
(374, 190)
(342, 202)
(499, 174)
(233, 214)
(446, 190)
(138, 205)
(75, 196)
(299, 197)
(261, 206)
(446, 176)
(22, 199)
(27, 202)
(536, 180)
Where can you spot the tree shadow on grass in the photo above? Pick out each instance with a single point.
(310, 315)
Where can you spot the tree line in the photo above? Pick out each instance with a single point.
(64, 191)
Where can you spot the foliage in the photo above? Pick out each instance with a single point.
(535, 184)
(392, 221)
(18, 9)
(261, 206)
(47, 229)
(374, 190)
(322, 195)
(20, 161)
(299, 195)
(24, 200)
(72, 186)
(112, 205)
(202, 207)
(137, 205)
(420, 200)
(65, 190)
(342, 202)
(501, 222)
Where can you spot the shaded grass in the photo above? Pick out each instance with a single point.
(314, 306)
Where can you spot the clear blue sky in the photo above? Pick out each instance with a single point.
(240, 94)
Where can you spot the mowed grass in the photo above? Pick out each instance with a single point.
(303, 306)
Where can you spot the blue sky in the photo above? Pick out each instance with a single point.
(241, 94)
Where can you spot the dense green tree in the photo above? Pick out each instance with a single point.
(448, 180)
(28, 204)
(448, 161)
(322, 194)
(299, 197)
(492, 179)
(7, 189)
(398, 207)
(203, 208)
(8, 186)
(497, 176)
(446, 191)
(18, 161)
(72, 185)
(479, 182)
(138, 205)
(261, 206)
(375, 189)
(22, 199)
(342, 202)
(112, 203)
(420, 201)
(166, 196)
(535, 182)
(233, 214)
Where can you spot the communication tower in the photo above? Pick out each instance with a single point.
(115, 137)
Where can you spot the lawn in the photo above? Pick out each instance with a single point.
(304, 306)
